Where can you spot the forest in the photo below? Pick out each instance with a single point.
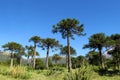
(102, 62)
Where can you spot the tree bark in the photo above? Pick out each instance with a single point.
(66, 60)
(11, 63)
(20, 61)
(47, 58)
(69, 57)
(101, 59)
(28, 62)
(34, 60)
(118, 60)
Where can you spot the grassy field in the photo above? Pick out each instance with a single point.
(22, 73)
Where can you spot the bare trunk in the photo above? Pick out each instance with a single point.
(20, 61)
(66, 60)
(28, 62)
(119, 65)
(11, 63)
(118, 61)
(69, 57)
(34, 60)
(101, 59)
(47, 58)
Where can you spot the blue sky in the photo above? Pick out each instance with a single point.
(22, 19)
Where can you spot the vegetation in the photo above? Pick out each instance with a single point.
(64, 51)
(83, 73)
(13, 47)
(35, 40)
(102, 62)
(68, 27)
(115, 52)
(56, 58)
(78, 61)
(30, 53)
(48, 44)
(56, 73)
(97, 41)
(93, 58)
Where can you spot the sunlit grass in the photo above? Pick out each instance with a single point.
(43, 74)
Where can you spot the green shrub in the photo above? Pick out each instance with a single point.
(57, 68)
(49, 72)
(19, 72)
(39, 71)
(39, 64)
(6, 63)
(83, 73)
(4, 70)
(54, 70)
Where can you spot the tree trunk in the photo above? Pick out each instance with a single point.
(69, 57)
(119, 65)
(47, 58)
(11, 63)
(118, 60)
(20, 61)
(66, 60)
(101, 59)
(28, 62)
(34, 60)
(31, 62)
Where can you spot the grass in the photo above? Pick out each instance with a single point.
(5, 74)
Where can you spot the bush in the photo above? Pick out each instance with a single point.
(4, 71)
(39, 64)
(54, 70)
(57, 68)
(83, 73)
(6, 63)
(19, 72)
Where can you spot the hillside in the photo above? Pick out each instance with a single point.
(4, 56)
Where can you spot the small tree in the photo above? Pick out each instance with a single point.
(48, 44)
(64, 51)
(21, 52)
(35, 40)
(13, 47)
(115, 52)
(56, 58)
(97, 41)
(30, 53)
(93, 57)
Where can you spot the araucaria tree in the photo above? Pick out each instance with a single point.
(35, 40)
(97, 41)
(64, 51)
(115, 52)
(68, 27)
(13, 47)
(30, 53)
(48, 44)
(56, 58)
(21, 52)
